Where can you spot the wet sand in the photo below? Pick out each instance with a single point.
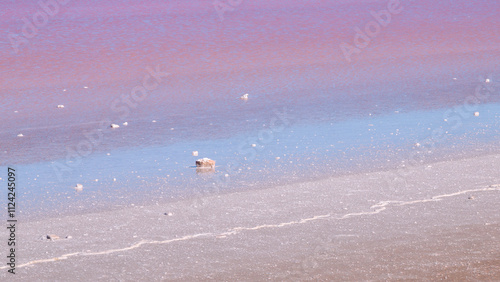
(440, 221)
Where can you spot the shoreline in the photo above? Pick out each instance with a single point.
(157, 197)
(316, 222)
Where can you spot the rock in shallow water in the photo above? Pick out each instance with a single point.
(205, 163)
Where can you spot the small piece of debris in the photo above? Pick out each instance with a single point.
(69, 237)
(64, 89)
(487, 80)
(114, 179)
(168, 214)
(114, 125)
(476, 114)
(85, 87)
(60, 106)
(244, 97)
(277, 158)
(195, 153)
(417, 145)
(254, 145)
(20, 135)
(471, 198)
(78, 187)
(154, 121)
(52, 237)
(125, 123)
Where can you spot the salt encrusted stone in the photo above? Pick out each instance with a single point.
(52, 237)
(78, 187)
(205, 163)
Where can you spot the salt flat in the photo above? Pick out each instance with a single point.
(439, 222)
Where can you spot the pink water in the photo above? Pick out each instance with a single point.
(286, 55)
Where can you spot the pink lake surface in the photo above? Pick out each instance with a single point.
(283, 53)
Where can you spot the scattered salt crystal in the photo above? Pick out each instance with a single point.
(125, 123)
(476, 114)
(154, 121)
(487, 80)
(60, 106)
(114, 125)
(254, 145)
(195, 153)
(20, 135)
(244, 97)
(85, 87)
